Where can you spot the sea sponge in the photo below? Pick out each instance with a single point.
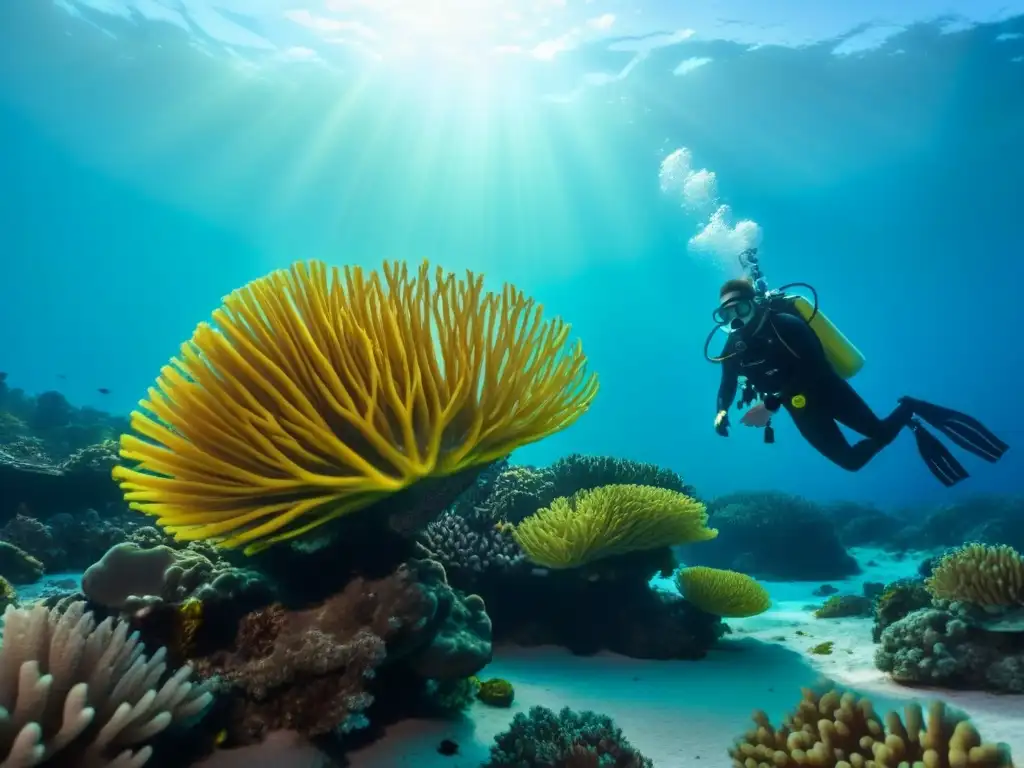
(611, 520)
(496, 692)
(840, 730)
(723, 593)
(318, 391)
(981, 574)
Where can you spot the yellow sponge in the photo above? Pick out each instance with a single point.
(723, 593)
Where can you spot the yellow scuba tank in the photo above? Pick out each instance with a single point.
(846, 359)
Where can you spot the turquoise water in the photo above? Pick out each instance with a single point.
(157, 155)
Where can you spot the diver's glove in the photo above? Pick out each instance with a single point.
(722, 423)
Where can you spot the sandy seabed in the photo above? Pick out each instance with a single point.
(688, 713)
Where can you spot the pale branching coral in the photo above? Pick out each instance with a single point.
(74, 693)
(837, 730)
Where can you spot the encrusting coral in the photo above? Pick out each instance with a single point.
(318, 392)
(542, 738)
(311, 670)
(944, 645)
(129, 577)
(113, 701)
(840, 730)
(580, 472)
(723, 593)
(980, 574)
(608, 521)
(842, 606)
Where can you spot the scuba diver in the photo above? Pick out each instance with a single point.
(792, 356)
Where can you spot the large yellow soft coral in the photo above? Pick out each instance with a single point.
(318, 391)
(611, 520)
(839, 730)
(981, 574)
(723, 593)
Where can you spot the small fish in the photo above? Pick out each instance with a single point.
(220, 738)
(103, 391)
(61, 376)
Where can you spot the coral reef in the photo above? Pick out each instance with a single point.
(112, 701)
(898, 599)
(985, 519)
(962, 627)
(312, 670)
(578, 472)
(773, 536)
(611, 520)
(723, 593)
(861, 525)
(68, 542)
(842, 606)
(948, 645)
(301, 392)
(51, 423)
(129, 577)
(448, 697)
(47, 487)
(17, 565)
(544, 739)
(613, 608)
(472, 541)
(518, 492)
(838, 730)
(8, 594)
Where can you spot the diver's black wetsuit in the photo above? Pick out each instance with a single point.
(803, 369)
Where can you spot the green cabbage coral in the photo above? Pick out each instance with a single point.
(723, 593)
(608, 521)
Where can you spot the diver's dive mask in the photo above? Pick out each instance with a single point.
(735, 311)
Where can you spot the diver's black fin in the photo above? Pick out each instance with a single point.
(966, 431)
(937, 457)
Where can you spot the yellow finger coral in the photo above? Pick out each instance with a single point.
(834, 730)
(723, 593)
(318, 391)
(611, 520)
(980, 574)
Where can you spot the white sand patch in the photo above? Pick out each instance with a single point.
(683, 714)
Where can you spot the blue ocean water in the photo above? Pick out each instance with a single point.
(157, 155)
(611, 158)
